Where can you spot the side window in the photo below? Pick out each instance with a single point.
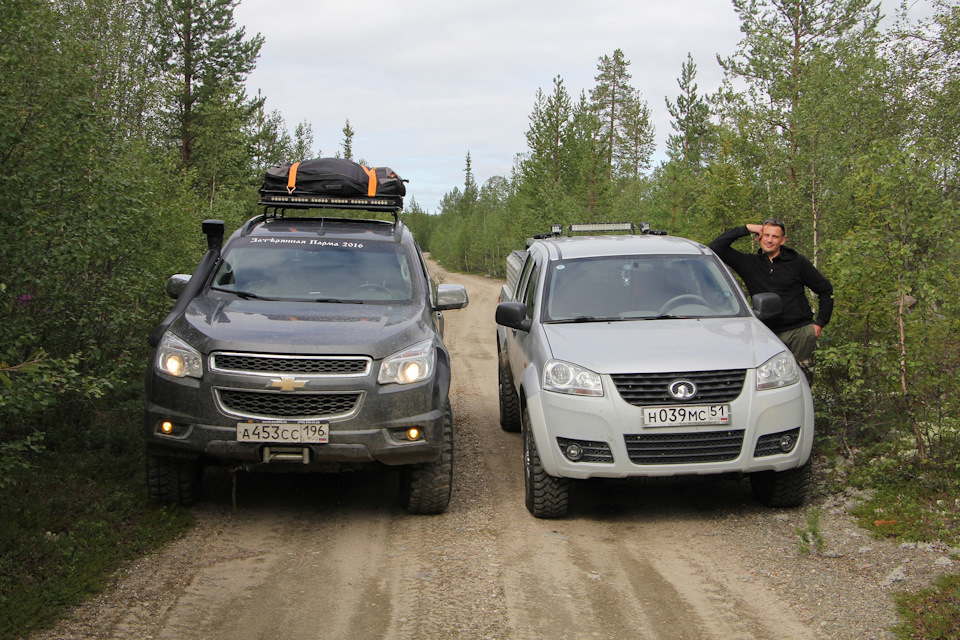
(431, 287)
(522, 280)
(530, 295)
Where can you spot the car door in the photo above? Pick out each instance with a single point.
(528, 290)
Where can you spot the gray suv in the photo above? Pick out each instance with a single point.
(309, 343)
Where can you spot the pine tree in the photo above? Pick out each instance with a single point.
(691, 143)
(269, 141)
(782, 39)
(609, 98)
(207, 57)
(637, 138)
(303, 141)
(347, 144)
(545, 136)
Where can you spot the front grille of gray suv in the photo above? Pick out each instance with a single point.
(299, 405)
(279, 364)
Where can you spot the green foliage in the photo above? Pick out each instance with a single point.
(68, 522)
(932, 613)
(810, 537)
(119, 135)
(846, 133)
(347, 143)
(907, 498)
(205, 58)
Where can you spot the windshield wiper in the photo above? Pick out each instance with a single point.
(246, 295)
(583, 319)
(337, 301)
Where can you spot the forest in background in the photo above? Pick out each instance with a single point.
(124, 124)
(848, 133)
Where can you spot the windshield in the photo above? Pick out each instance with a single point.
(631, 287)
(315, 269)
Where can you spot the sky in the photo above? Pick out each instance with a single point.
(424, 82)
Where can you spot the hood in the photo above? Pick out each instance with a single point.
(651, 346)
(212, 323)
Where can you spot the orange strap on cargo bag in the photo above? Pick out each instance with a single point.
(372, 186)
(292, 177)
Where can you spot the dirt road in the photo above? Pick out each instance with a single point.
(335, 557)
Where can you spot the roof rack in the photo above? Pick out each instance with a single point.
(283, 200)
(278, 212)
(556, 230)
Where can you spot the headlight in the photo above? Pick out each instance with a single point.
(563, 377)
(177, 358)
(413, 364)
(779, 371)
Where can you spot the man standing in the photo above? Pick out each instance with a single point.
(779, 269)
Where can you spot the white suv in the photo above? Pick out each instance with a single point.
(638, 355)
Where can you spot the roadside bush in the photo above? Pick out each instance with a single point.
(36, 393)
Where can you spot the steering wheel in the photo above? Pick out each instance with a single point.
(686, 298)
(371, 287)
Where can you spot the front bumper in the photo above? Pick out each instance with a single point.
(372, 431)
(619, 445)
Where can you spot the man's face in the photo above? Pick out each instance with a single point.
(771, 239)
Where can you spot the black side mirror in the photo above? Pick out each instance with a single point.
(513, 315)
(767, 305)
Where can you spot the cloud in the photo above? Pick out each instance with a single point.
(424, 83)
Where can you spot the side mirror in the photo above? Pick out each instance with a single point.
(767, 305)
(513, 315)
(451, 296)
(176, 284)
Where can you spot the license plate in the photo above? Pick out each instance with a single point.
(283, 432)
(686, 416)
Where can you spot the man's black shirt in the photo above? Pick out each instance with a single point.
(787, 275)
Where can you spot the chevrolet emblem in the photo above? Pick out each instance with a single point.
(288, 383)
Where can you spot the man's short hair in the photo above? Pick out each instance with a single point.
(775, 223)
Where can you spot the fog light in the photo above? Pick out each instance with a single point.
(786, 443)
(413, 433)
(574, 452)
(166, 427)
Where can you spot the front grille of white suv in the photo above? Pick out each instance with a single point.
(684, 448)
(645, 389)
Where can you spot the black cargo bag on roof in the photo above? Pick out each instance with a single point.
(333, 177)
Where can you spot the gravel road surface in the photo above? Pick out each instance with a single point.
(315, 556)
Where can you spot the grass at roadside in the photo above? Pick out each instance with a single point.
(910, 500)
(75, 516)
(931, 614)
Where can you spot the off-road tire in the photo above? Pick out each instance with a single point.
(173, 480)
(781, 489)
(509, 400)
(546, 496)
(425, 488)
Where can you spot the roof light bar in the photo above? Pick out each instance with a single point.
(601, 226)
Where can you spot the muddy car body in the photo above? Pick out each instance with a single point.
(304, 344)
